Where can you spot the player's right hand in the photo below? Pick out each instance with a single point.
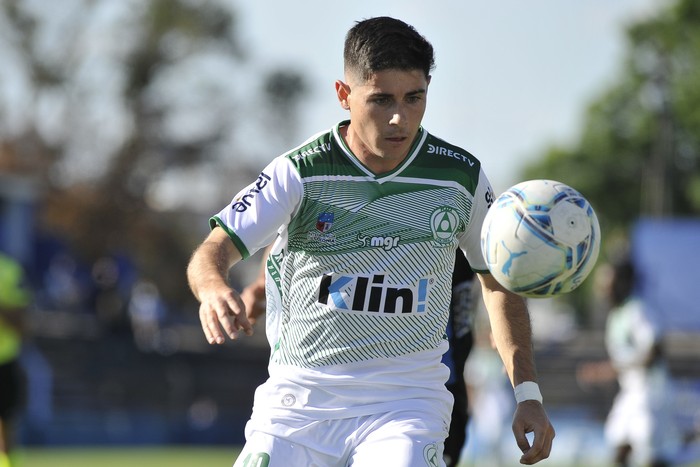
(222, 311)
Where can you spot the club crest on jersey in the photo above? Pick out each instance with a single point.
(372, 294)
(324, 222)
(444, 223)
(321, 233)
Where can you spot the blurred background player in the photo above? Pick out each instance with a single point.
(639, 426)
(14, 299)
(459, 333)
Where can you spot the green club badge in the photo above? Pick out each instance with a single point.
(444, 223)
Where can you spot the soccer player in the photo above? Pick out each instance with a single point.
(14, 298)
(365, 219)
(640, 425)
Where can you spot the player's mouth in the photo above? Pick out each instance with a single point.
(397, 139)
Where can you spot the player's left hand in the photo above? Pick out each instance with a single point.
(253, 297)
(530, 417)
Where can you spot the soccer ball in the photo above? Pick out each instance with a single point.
(540, 238)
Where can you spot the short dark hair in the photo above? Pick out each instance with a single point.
(385, 43)
(623, 280)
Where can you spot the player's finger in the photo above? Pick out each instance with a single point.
(532, 455)
(233, 317)
(226, 319)
(207, 318)
(254, 310)
(541, 446)
(547, 448)
(521, 440)
(245, 324)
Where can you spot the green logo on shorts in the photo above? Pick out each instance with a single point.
(430, 454)
(260, 459)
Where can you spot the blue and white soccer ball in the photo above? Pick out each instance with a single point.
(540, 238)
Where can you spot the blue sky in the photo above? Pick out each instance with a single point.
(512, 76)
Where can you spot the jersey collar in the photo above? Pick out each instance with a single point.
(385, 177)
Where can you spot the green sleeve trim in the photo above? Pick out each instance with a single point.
(481, 271)
(216, 222)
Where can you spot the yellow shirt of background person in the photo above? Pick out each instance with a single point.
(13, 297)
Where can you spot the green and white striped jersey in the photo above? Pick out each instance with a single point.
(362, 263)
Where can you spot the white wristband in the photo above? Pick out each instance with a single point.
(527, 391)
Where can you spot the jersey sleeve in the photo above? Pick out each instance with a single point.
(259, 211)
(470, 242)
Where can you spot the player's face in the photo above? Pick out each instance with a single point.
(385, 114)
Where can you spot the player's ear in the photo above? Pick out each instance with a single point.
(342, 90)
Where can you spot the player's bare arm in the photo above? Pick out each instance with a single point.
(510, 324)
(221, 308)
(512, 333)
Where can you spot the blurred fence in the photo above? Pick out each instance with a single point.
(104, 390)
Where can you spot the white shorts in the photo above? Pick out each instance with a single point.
(395, 439)
(644, 423)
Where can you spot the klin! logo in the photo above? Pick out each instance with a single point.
(372, 294)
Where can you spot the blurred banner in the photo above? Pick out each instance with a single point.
(667, 255)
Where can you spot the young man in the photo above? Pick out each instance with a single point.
(365, 220)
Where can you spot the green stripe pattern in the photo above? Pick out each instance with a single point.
(356, 241)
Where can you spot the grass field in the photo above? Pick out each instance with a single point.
(170, 457)
(131, 457)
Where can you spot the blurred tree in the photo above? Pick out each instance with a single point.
(639, 149)
(640, 144)
(113, 104)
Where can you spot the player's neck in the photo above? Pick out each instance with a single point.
(378, 164)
